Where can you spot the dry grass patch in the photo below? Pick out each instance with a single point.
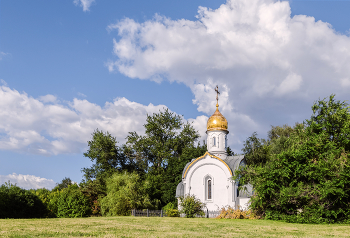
(163, 227)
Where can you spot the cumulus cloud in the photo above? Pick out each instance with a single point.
(47, 98)
(85, 4)
(270, 66)
(46, 126)
(27, 181)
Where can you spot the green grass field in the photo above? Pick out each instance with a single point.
(163, 227)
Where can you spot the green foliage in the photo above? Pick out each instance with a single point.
(170, 205)
(172, 213)
(308, 181)
(191, 206)
(125, 191)
(171, 210)
(52, 202)
(16, 202)
(229, 151)
(108, 158)
(165, 137)
(63, 184)
(71, 202)
(256, 150)
(45, 196)
(173, 173)
(94, 191)
(160, 152)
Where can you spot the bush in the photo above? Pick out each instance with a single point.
(231, 213)
(16, 202)
(170, 205)
(71, 202)
(172, 213)
(191, 206)
(45, 196)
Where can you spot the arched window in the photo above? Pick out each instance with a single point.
(214, 141)
(208, 182)
(209, 189)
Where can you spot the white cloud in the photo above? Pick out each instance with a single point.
(3, 54)
(46, 126)
(27, 181)
(269, 66)
(85, 4)
(48, 98)
(3, 82)
(290, 84)
(82, 95)
(345, 82)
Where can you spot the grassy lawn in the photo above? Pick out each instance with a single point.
(163, 227)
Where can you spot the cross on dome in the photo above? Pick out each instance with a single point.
(217, 121)
(217, 95)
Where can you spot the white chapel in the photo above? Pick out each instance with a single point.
(209, 177)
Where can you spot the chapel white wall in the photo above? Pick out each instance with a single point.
(219, 148)
(223, 188)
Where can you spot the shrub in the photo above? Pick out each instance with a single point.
(71, 202)
(172, 213)
(170, 205)
(16, 202)
(191, 206)
(231, 213)
(45, 196)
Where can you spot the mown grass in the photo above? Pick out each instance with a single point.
(163, 227)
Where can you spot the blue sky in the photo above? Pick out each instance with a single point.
(67, 68)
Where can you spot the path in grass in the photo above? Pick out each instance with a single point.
(163, 227)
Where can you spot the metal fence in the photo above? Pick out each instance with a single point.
(148, 213)
(161, 213)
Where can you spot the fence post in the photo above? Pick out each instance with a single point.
(161, 213)
(207, 213)
(147, 213)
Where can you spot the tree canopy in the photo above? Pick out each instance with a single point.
(307, 178)
(166, 135)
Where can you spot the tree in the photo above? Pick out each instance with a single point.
(308, 180)
(331, 118)
(159, 151)
(125, 191)
(173, 173)
(16, 202)
(166, 135)
(63, 184)
(256, 151)
(108, 158)
(94, 191)
(229, 151)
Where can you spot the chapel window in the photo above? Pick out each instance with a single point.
(209, 189)
(214, 141)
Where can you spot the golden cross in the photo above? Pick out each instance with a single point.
(217, 95)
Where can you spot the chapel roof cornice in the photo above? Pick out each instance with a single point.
(196, 160)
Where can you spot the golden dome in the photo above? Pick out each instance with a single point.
(217, 121)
